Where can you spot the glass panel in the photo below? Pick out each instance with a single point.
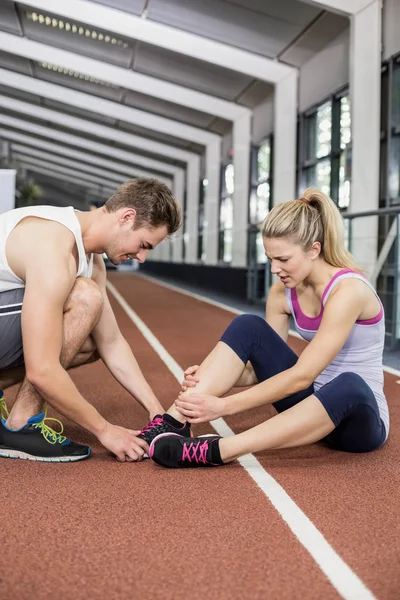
(345, 122)
(323, 176)
(253, 206)
(310, 178)
(310, 136)
(396, 95)
(263, 193)
(229, 179)
(394, 169)
(228, 245)
(344, 180)
(324, 130)
(261, 258)
(263, 161)
(226, 213)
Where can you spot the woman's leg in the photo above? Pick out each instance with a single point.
(247, 338)
(344, 411)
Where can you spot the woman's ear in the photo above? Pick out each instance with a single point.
(315, 250)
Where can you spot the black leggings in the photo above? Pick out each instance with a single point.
(347, 399)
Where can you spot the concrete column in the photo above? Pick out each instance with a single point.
(211, 202)
(365, 86)
(241, 164)
(285, 139)
(192, 208)
(7, 189)
(177, 240)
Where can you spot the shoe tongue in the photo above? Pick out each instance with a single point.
(36, 418)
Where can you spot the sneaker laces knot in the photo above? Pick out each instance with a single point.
(156, 422)
(49, 434)
(195, 452)
(3, 408)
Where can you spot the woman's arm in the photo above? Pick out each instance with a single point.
(341, 311)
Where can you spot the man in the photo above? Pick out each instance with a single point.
(53, 299)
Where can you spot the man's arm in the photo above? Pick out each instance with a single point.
(116, 352)
(49, 272)
(277, 316)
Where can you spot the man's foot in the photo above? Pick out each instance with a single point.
(163, 424)
(37, 441)
(174, 451)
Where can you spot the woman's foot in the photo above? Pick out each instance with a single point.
(174, 451)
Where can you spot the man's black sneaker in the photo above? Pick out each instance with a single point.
(164, 424)
(174, 451)
(37, 441)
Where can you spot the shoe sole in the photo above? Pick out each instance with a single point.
(48, 459)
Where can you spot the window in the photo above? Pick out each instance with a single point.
(325, 149)
(394, 156)
(226, 214)
(260, 199)
(201, 250)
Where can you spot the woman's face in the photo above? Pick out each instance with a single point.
(289, 261)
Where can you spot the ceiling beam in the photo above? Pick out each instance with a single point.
(343, 7)
(113, 178)
(164, 36)
(101, 106)
(102, 131)
(99, 189)
(24, 143)
(121, 77)
(73, 140)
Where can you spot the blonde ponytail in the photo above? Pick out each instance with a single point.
(313, 218)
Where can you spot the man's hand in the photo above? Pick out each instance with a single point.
(122, 442)
(190, 380)
(199, 408)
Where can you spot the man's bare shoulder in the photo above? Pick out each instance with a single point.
(35, 239)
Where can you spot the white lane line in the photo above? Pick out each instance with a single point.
(343, 579)
(235, 311)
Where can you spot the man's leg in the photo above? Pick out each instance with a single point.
(82, 311)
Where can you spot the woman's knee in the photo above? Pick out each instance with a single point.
(246, 323)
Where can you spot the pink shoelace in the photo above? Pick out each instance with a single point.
(196, 452)
(154, 423)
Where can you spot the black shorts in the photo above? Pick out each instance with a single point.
(11, 352)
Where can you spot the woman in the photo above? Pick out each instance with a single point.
(333, 391)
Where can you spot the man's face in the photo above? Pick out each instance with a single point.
(128, 243)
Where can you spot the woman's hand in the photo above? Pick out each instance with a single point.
(190, 380)
(200, 408)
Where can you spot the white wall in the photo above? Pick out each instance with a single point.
(325, 73)
(391, 27)
(263, 119)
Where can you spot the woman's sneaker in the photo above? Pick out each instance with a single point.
(164, 424)
(174, 451)
(37, 441)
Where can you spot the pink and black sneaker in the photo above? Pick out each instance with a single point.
(177, 452)
(164, 424)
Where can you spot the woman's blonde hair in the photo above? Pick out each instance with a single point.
(313, 218)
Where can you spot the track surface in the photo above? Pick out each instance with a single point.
(104, 530)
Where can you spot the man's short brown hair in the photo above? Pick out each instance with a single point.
(153, 201)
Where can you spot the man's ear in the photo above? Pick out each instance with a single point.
(128, 216)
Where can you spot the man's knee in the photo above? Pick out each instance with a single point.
(85, 294)
(88, 353)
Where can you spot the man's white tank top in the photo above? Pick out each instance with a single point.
(66, 216)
